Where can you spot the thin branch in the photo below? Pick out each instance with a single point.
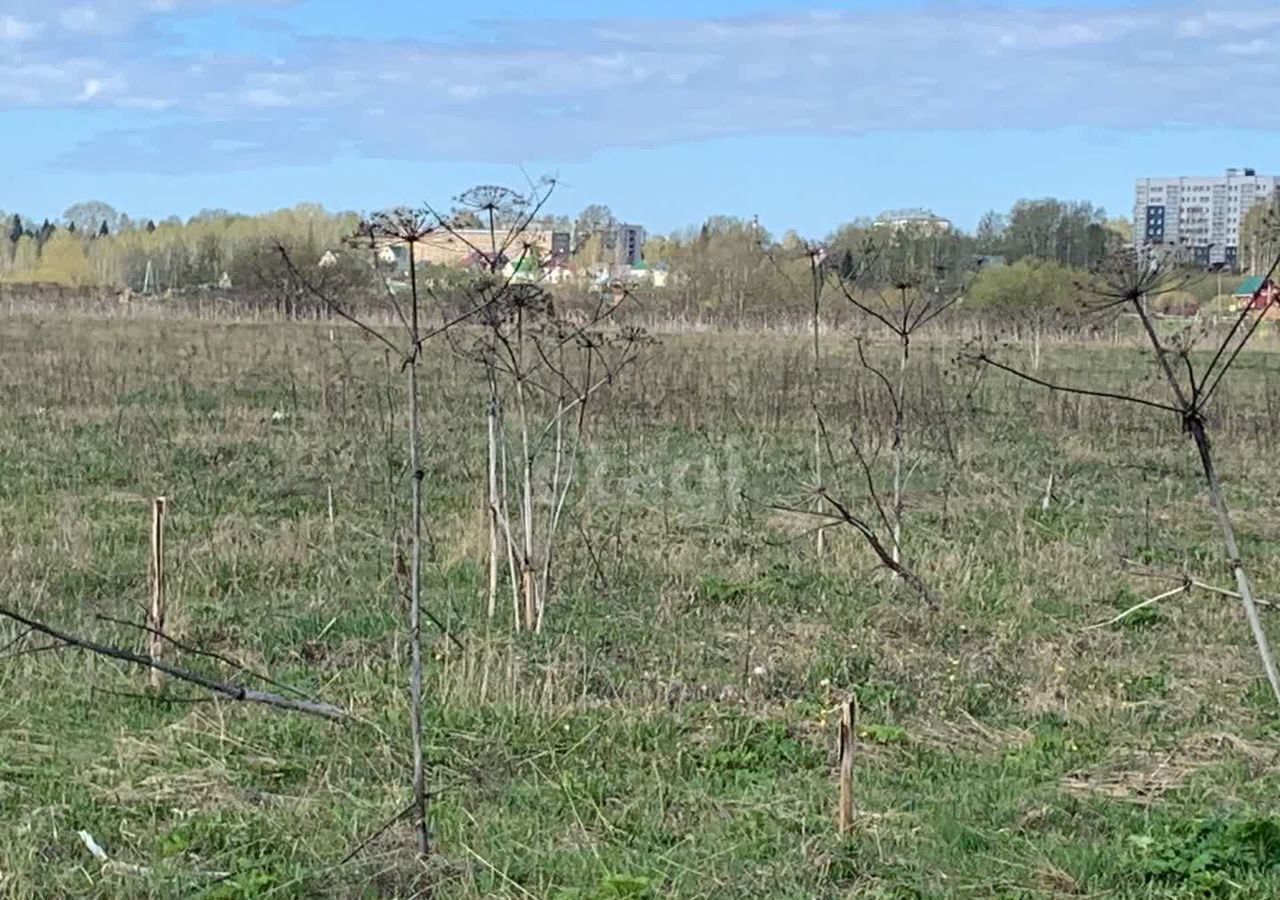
(21, 635)
(884, 320)
(1191, 379)
(31, 651)
(581, 398)
(984, 358)
(602, 581)
(886, 558)
(1262, 314)
(848, 518)
(227, 689)
(333, 305)
(871, 484)
(455, 232)
(187, 648)
(444, 629)
(884, 379)
(519, 227)
(356, 851)
(803, 535)
(457, 320)
(152, 698)
(1143, 571)
(929, 312)
(826, 441)
(1235, 326)
(1180, 589)
(1223, 592)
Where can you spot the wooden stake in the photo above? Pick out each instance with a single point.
(848, 725)
(156, 614)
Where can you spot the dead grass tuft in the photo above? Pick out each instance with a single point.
(1143, 777)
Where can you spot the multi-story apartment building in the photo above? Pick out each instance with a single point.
(457, 247)
(628, 245)
(1202, 214)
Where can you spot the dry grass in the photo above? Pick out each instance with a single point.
(670, 726)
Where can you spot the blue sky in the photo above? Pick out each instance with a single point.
(807, 115)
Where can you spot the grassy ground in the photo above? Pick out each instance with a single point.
(671, 733)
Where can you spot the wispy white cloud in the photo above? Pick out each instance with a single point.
(107, 17)
(14, 29)
(563, 92)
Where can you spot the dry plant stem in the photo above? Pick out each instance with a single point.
(157, 612)
(560, 485)
(512, 566)
(1194, 424)
(187, 648)
(415, 574)
(491, 418)
(1180, 589)
(1243, 585)
(1143, 571)
(916, 306)
(551, 522)
(1234, 595)
(227, 689)
(1185, 587)
(373, 836)
(525, 346)
(528, 587)
(899, 418)
(815, 274)
(914, 581)
(1216, 372)
(1105, 395)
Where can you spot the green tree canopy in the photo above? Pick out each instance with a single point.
(1027, 285)
(63, 261)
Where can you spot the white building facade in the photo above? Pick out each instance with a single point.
(1202, 214)
(923, 221)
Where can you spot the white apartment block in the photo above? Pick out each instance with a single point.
(1202, 214)
(922, 220)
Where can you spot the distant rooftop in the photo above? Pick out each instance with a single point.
(1245, 172)
(1250, 286)
(909, 215)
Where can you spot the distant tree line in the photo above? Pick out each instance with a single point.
(735, 265)
(1031, 255)
(93, 244)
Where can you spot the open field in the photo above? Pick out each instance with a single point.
(670, 734)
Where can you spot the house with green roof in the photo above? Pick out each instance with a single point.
(1257, 291)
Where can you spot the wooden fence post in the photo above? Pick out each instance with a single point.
(157, 611)
(848, 733)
